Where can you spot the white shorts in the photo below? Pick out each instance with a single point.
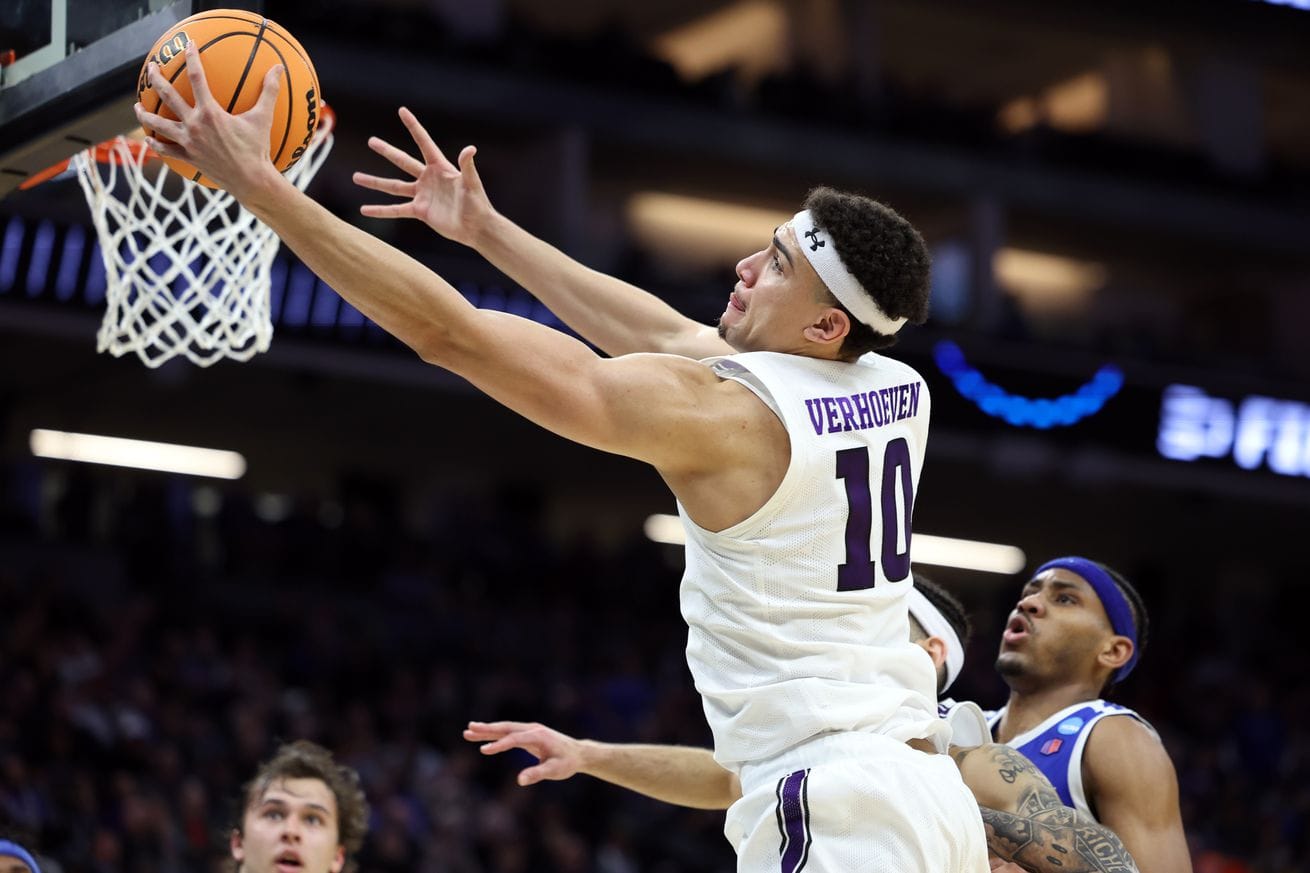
(856, 803)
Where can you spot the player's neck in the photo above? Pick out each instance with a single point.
(1028, 708)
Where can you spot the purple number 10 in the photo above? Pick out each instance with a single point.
(857, 573)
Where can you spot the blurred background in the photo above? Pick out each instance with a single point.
(1117, 196)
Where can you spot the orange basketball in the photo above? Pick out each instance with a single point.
(237, 49)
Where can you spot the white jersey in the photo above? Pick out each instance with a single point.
(797, 616)
(968, 722)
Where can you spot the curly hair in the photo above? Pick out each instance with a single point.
(885, 254)
(947, 604)
(305, 760)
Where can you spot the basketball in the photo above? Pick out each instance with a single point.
(237, 49)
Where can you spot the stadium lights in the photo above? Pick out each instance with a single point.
(749, 37)
(927, 549)
(699, 231)
(967, 554)
(663, 528)
(141, 454)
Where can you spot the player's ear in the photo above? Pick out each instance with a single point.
(1117, 651)
(830, 327)
(236, 847)
(936, 649)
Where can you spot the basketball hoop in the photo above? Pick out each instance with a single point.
(186, 267)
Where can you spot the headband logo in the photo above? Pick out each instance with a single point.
(815, 242)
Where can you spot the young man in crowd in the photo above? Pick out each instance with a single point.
(302, 811)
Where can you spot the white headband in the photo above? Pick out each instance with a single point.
(822, 255)
(935, 625)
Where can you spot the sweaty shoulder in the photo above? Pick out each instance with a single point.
(670, 411)
(737, 446)
(1119, 735)
(1123, 758)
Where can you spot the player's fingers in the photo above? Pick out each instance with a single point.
(195, 71)
(431, 154)
(168, 95)
(165, 127)
(396, 210)
(468, 168)
(398, 187)
(269, 90)
(501, 728)
(504, 744)
(477, 732)
(400, 158)
(167, 149)
(533, 775)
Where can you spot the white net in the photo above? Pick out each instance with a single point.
(187, 269)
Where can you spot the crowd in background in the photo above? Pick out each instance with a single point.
(157, 642)
(150, 657)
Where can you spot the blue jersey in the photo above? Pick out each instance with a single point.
(1056, 745)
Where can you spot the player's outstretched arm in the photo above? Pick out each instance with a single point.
(674, 774)
(1027, 824)
(669, 411)
(619, 318)
(1131, 781)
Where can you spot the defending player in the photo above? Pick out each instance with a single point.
(14, 858)
(302, 811)
(1025, 820)
(811, 686)
(1080, 627)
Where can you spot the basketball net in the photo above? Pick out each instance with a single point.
(187, 269)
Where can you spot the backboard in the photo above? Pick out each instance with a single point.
(68, 73)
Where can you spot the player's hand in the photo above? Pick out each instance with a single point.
(1000, 865)
(559, 755)
(447, 198)
(232, 150)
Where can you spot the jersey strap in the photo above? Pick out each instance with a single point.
(1056, 745)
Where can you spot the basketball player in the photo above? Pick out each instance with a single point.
(1079, 628)
(302, 811)
(619, 318)
(16, 859)
(811, 686)
(1026, 822)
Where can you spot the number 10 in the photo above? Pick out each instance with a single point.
(857, 573)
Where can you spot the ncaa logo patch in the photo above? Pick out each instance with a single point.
(1051, 746)
(1070, 725)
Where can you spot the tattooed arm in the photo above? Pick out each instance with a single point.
(1025, 821)
(1056, 839)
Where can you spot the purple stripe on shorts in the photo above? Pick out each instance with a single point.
(793, 813)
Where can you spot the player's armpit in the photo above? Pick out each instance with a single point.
(721, 449)
(1055, 840)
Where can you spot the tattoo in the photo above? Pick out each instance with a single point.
(1045, 843)
(1011, 765)
(1045, 836)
